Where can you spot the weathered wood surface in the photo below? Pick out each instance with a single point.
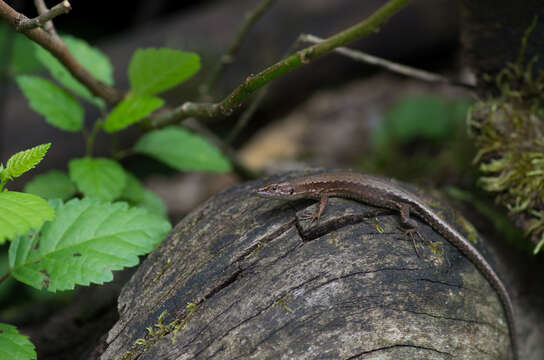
(269, 286)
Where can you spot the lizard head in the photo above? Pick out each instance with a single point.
(281, 190)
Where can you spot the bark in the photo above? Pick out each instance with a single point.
(266, 284)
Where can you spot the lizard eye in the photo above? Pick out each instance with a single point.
(291, 192)
(274, 188)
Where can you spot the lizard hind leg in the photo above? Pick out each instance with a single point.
(409, 224)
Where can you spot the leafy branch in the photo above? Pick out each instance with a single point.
(59, 50)
(253, 82)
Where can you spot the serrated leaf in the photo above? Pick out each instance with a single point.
(19, 212)
(59, 108)
(152, 71)
(97, 177)
(137, 195)
(131, 110)
(52, 185)
(92, 59)
(25, 160)
(14, 345)
(87, 240)
(182, 150)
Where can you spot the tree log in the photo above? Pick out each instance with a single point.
(262, 283)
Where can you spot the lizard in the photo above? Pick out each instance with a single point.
(386, 193)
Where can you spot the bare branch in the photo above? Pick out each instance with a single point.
(57, 48)
(59, 9)
(251, 18)
(42, 9)
(304, 56)
(389, 65)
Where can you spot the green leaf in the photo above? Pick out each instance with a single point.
(52, 185)
(152, 71)
(19, 212)
(131, 110)
(182, 150)
(14, 345)
(25, 160)
(59, 108)
(87, 240)
(20, 49)
(98, 178)
(92, 59)
(137, 195)
(408, 119)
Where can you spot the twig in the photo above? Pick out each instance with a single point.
(251, 18)
(247, 115)
(389, 65)
(254, 105)
(42, 9)
(304, 56)
(59, 9)
(58, 49)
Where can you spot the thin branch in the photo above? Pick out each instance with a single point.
(304, 56)
(42, 9)
(251, 18)
(389, 65)
(59, 9)
(247, 115)
(252, 108)
(58, 49)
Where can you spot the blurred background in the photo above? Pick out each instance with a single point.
(332, 113)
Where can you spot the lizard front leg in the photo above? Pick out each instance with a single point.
(324, 198)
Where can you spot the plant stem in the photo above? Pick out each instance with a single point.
(5, 276)
(91, 137)
(251, 18)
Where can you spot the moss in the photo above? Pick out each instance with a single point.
(159, 330)
(282, 302)
(508, 130)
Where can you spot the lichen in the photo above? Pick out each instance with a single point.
(508, 131)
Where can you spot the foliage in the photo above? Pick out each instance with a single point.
(152, 71)
(20, 211)
(13, 345)
(92, 59)
(20, 51)
(87, 240)
(432, 127)
(70, 241)
(97, 177)
(131, 110)
(170, 145)
(54, 184)
(58, 106)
